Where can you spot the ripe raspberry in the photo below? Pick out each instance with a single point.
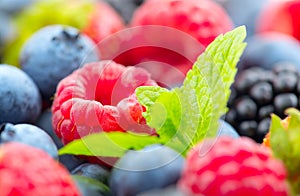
(204, 20)
(103, 21)
(234, 167)
(26, 171)
(99, 97)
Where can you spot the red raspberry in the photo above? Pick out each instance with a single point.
(27, 171)
(204, 20)
(104, 21)
(96, 98)
(227, 166)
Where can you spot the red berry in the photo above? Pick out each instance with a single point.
(204, 20)
(281, 16)
(104, 21)
(27, 171)
(226, 166)
(167, 37)
(95, 98)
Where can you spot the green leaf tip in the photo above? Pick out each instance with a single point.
(191, 112)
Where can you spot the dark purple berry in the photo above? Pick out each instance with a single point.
(248, 128)
(284, 101)
(246, 108)
(262, 93)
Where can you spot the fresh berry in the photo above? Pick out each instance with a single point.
(227, 166)
(54, 52)
(96, 18)
(225, 129)
(45, 122)
(70, 162)
(14, 6)
(20, 98)
(90, 187)
(203, 20)
(153, 167)
(25, 170)
(30, 135)
(266, 49)
(257, 94)
(244, 12)
(93, 171)
(280, 16)
(97, 97)
(168, 191)
(160, 42)
(99, 27)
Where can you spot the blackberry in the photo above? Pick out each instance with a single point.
(257, 93)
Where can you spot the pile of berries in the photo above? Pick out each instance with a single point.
(70, 69)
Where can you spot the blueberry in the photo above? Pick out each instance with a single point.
(13, 6)
(244, 12)
(265, 50)
(155, 167)
(70, 162)
(28, 134)
(169, 191)
(90, 187)
(20, 100)
(225, 129)
(45, 122)
(54, 52)
(93, 171)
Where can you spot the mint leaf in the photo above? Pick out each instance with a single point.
(112, 144)
(285, 144)
(192, 111)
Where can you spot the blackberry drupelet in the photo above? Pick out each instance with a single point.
(257, 93)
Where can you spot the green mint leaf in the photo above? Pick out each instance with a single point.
(112, 144)
(285, 145)
(90, 186)
(192, 111)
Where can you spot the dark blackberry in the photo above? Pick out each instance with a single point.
(257, 93)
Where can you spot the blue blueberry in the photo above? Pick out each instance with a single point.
(154, 167)
(13, 6)
(244, 12)
(93, 171)
(45, 122)
(70, 161)
(225, 129)
(265, 50)
(20, 100)
(7, 30)
(90, 186)
(168, 191)
(53, 53)
(28, 134)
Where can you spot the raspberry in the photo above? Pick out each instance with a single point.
(99, 97)
(103, 21)
(204, 20)
(25, 170)
(257, 93)
(233, 167)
